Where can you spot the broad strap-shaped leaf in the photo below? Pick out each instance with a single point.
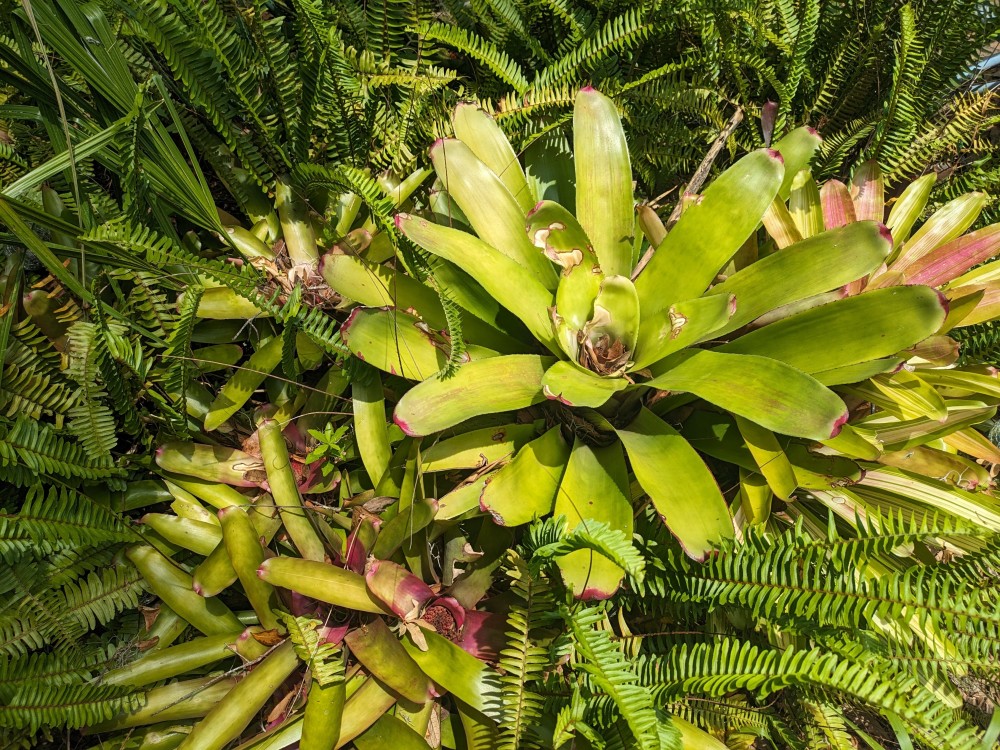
(973, 442)
(370, 429)
(930, 495)
(763, 390)
(908, 207)
(389, 731)
(935, 463)
(780, 225)
(905, 394)
(382, 655)
(513, 286)
(985, 309)
(826, 261)
(755, 497)
(557, 233)
(526, 488)
(572, 385)
(463, 499)
(801, 305)
(896, 434)
(398, 343)
(681, 487)
(805, 206)
(457, 671)
(717, 435)
(378, 286)
(838, 208)
(486, 386)
(680, 326)
(594, 488)
(708, 233)
(944, 225)
(796, 149)
(771, 460)
(868, 192)
(857, 329)
(490, 208)
(651, 224)
(950, 260)
(318, 580)
(476, 448)
(477, 130)
(857, 372)
(604, 202)
(548, 166)
(985, 382)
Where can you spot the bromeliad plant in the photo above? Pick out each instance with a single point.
(572, 328)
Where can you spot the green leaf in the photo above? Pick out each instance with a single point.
(593, 489)
(60, 162)
(548, 165)
(458, 672)
(797, 149)
(771, 460)
(680, 326)
(604, 202)
(805, 206)
(813, 266)
(709, 233)
(318, 580)
(764, 390)
(526, 488)
(513, 285)
(857, 329)
(370, 429)
(868, 192)
(477, 448)
(382, 654)
(945, 224)
(557, 233)
(476, 129)
(398, 343)
(390, 732)
(242, 383)
(490, 208)
(896, 434)
(380, 286)
(484, 386)
(681, 487)
(572, 385)
(755, 497)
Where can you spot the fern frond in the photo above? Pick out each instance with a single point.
(611, 673)
(65, 516)
(481, 50)
(717, 668)
(70, 706)
(523, 661)
(618, 35)
(325, 660)
(29, 449)
(597, 537)
(90, 419)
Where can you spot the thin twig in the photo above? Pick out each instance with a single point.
(700, 175)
